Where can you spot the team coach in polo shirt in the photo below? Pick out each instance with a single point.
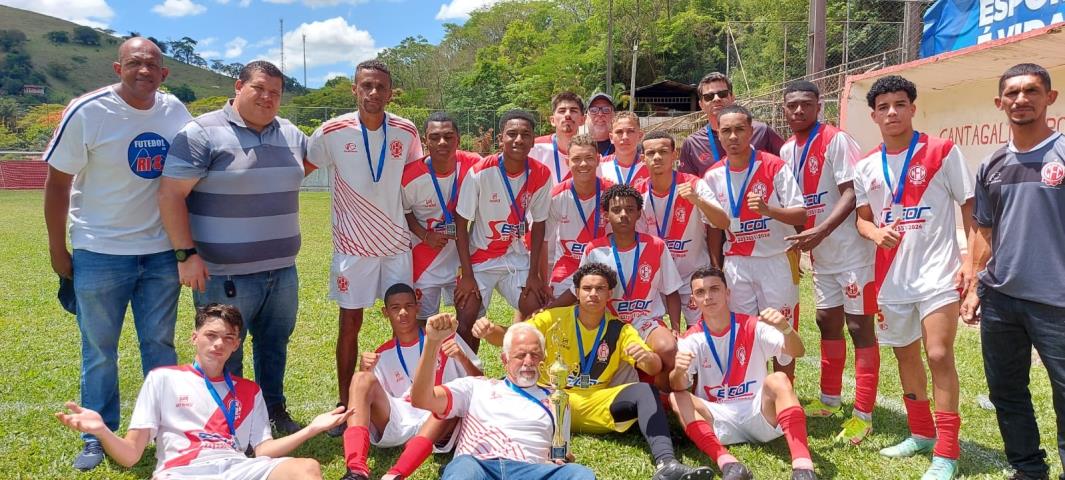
(229, 199)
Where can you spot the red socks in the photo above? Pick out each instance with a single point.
(414, 454)
(793, 421)
(947, 426)
(356, 449)
(866, 378)
(919, 416)
(833, 361)
(703, 435)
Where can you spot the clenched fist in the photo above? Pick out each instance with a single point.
(482, 327)
(683, 361)
(775, 319)
(441, 326)
(369, 360)
(638, 353)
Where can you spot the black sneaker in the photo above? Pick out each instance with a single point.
(339, 429)
(1019, 475)
(281, 420)
(350, 475)
(673, 470)
(803, 474)
(90, 457)
(736, 471)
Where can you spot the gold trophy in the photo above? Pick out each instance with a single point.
(558, 375)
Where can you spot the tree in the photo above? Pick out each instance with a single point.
(8, 112)
(11, 39)
(58, 70)
(163, 47)
(58, 37)
(184, 93)
(132, 34)
(184, 50)
(86, 35)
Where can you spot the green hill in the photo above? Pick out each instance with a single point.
(89, 67)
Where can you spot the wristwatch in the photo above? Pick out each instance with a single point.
(182, 254)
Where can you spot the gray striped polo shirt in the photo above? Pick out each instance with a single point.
(244, 211)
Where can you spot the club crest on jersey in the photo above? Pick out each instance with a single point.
(741, 355)
(786, 311)
(682, 214)
(395, 148)
(880, 321)
(524, 199)
(759, 189)
(147, 154)
(342, 284)
(851, 290)
(1052, 174)
(350, 147)
(603, 353)
(918, 174)
(645, 272)
(494, 198)
(814, 165)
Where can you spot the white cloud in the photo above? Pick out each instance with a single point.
(94, 13)
(266, 42)
(179, 8)
(245, 3)
(210, 54)
(329, 42)
(317, 3)
(206, 42)
(331, 75)
(461, 9)
(235, 47)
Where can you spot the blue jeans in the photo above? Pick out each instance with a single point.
(104, 285)
(1009, 328)
(466, 467)
(268, 302)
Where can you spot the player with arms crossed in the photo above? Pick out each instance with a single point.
(822, 158)
(906, 190)
(202, 419)
(735, 399)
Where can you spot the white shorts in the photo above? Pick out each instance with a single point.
(688, 308)
(559, 288)
(757, 283)
(507, 282)
(745, 424)
(900, 323)
(853, 289)
(357, 282)
(644, 326)
(430, 298)
(227, 468)
(404, 421)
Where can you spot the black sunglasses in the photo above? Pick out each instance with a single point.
(710, 96)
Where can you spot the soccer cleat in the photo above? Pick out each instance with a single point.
(803, 474)
(90, 457)
(350, 475)
(819, 409)
(673, 470)
(736, 471)
(941, 469)
(854, 430)
(909, 447)
(282, 421)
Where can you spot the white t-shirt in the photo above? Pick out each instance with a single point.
(759, 236)
(116, 154)
(396, 381)
(544, 151)
(927, 258)
(367, 215)
(568, 234)
(685, 229)
(433, 267)
(186, 423)
(756, 343)
(498, 422)
(829, 163)
(485, 201)
(656, 276)
(609, 169)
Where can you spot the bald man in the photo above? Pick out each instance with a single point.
(121, 255)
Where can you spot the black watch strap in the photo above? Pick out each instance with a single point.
(182, 254)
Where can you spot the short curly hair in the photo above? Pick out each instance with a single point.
(619, 191)
(598, 269)
(219, 311)
(890, 84)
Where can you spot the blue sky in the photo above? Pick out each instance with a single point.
(340, 33)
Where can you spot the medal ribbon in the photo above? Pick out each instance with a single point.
(376, 176)
(664, 226)
(805, 152)
(399, 352)
(586, 360)
(732, 203)
(229, 413)
(725, 370)
(896, 196)
(631, 283)
(595, 211)
(446, 207)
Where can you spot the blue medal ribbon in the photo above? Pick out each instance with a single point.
(805, 152)
(510, 192)
(726, 369)
(713, 143)
(528, 396)
(587, 360)
(630, 284)
(376, 176)
(230, 413)
(446, 207)
(732, 203)
(580, 209)
(617, 170)
(664, 226)
(558, 165)
(896, 196)
(399, 352)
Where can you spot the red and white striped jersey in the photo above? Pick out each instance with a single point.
(829, 163)
(568, 232)
(396, 380)
(655, 276)
(927, 257)
(434, 267)
(684, 230)
(545, 152)
(485, 201)
(499, 422)
(610, 169)
(755, 343)
(185, 422)
(758, 236)
(367, 215)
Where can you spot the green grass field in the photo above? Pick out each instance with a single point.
(40, 364)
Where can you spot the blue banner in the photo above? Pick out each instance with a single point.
(954, 24)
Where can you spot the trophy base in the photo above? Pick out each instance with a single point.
(559, 453)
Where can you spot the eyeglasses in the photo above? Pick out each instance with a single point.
(600, 110)
(722, 94)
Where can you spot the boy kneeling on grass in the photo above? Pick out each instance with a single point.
(205, 422)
